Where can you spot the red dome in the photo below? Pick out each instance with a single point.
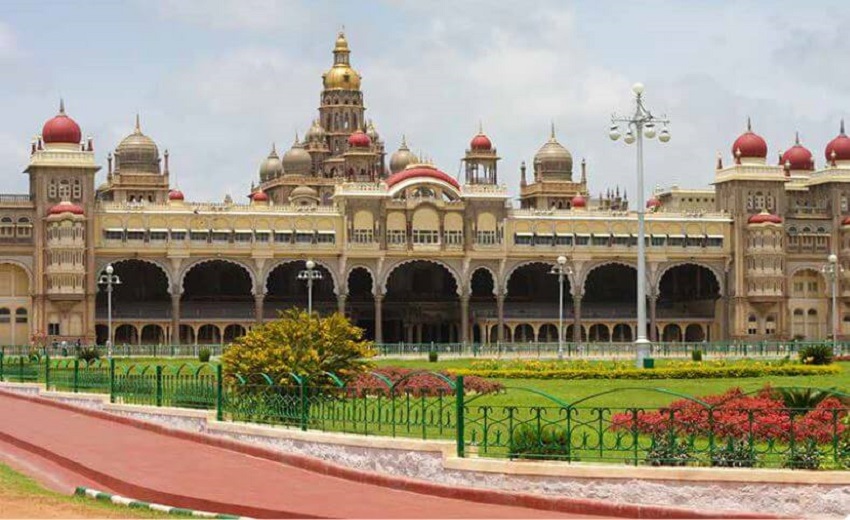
(421, 170)
(259, 196)
(61, 129)
(798, 157)
(840, 145)
(359, 140)
(578, 202)
(175, 194)
(65, 207)
(481, 142)
(653, 202)
(765, 217)
(846, 221)
(750, 144)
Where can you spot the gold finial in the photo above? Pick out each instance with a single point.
(296, 137)
(552, 131)
(274, 149)
(62, 107)
(138, 129)
(403, 142)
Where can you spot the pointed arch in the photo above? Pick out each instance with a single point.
(103, 262)
(185, 271)
(319, 263)
(389, 271)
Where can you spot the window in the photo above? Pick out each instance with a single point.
(691, 241)
(199, 236)
(485, 237)
(426, 236)
(676, 240)
(304, 237)
(396, 236)
(283, 237)
(601, 240)
(5, 315)
(242, 236)
(326, 237)
(178, 235)
(658, 240)
(523, 239)
(544, 239)
(622, 240)
(363, 236)
(21, 315)
(135, 234)
(51, 189)
(158, 235)
(53, 329)
(563, 239)
(453, 238)
(262, 236)
(7, 228)
(752, 325)
(221, 236)
(64, 190)
(711, 241)
(78, 189)
(582, 240)
(770, 325)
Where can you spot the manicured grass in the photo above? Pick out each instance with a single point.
(22, 497)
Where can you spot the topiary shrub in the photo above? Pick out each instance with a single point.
(696, 355)
(88, 354)
(734, 454)
(816, 354)
(433, 356)
(667, 451)
(805, 456)
(544, 443)
(204, 355)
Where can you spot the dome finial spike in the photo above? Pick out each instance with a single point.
(274, 148)
(749, 124)
(138, 124)
(480, 127)
(842, 126)
(62, 107)
(296, 137)
(797, 138)
(552, 131)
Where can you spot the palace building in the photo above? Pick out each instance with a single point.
(413, 254)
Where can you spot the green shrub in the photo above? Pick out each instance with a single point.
(816, 354)
(204, 355)
(433, 356)
(803, 398)
(547, 442)
(734, 454)
(667, 451)
(806, 456)
(88, 354)
(696, 355)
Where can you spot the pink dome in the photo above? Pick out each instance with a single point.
(481, 142)
(175, 194)
(421, 170)
(653, 202)
(840, 146)
(750, 144)
(764, 217)
(798, 157)
(359, 139)
(578, 202)
(65, 207)
(61, 129)
(259, 196)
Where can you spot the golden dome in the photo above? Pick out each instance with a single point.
(402, 158)
(341, 75)
(553, 159)
(297, 160)
(137, 153)
(341, 43)
(271, 167)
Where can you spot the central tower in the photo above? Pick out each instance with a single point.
(341, 110)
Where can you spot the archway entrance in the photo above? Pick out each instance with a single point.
(482, 304)
(421, 304)
(15, 305)
(533, 295)
(610, 294)
(285, 290)
(361, 300)
(688, 293)
(217, 290)
(141, 297)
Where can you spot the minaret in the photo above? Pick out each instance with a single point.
(481, 159)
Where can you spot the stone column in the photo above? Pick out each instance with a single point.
(576, 319)
(340, 303)
(464, 319)
(259, 299)
(175, 319)
(379, 332)
(653, 299)
(500, 309)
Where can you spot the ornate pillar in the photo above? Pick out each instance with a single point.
(653, 299)
(340, 303)
(379, 329)
(464, 319)
(500, 309)
(576, 319)
(175, 319)
(258, 307)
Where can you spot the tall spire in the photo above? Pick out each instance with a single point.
(842, 126)
(480, 127)
(552, 131)
(138, 129)
(62, 109)
(749, 124)
(797, 138)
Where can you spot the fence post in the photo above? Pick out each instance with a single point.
(112, 380)
(76, 373)
(219, 394)
(21, 368)
(158, 385)
(304, 407)
(46, 370)
(2, 354)
(459, 415)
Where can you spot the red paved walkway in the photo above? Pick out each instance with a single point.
(160, 467)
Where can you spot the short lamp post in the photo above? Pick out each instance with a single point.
(832, 270)
(561, 269)
(641, 123)
(309, 274)
(109, 280)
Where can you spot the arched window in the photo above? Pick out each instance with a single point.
(5, 315)
(752, 325)
(21, 315)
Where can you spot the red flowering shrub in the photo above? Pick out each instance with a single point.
(761, 416)
(421, 384)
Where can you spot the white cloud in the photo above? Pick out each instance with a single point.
(252, 15)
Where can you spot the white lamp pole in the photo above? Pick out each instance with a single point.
(641, 123)
(561, 269)
(309, 275)
(109, 280)
(832, 270)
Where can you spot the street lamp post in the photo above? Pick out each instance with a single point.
(832, 270)
(310, 274)
(641, 123)
(109, 280)
(561, 269)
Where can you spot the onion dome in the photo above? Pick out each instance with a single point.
(481, 141)
(137, 153)
(553, 158)
(578, 201)
(176, 195)
(341, 76)
(302, 192)
(316, 132)
(839, 148)
(359, 139)
(653, 203)
(372, 132)
(61, 129)
(798, 157)
(271, 167)
(402, 157)
(425, 171)
(297, 160)
(65, 207)
(765, 218)
(259, 196)
(749, 144)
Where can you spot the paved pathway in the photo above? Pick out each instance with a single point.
(191, 474)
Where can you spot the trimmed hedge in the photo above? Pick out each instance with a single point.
(688, 372)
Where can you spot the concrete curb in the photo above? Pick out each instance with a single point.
(138, 504)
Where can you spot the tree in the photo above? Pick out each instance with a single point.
(301, 344)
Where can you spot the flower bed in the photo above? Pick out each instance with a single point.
(734, 415)
(684, 370)
(419, 384)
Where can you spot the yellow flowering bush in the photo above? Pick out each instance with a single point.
(301, 344)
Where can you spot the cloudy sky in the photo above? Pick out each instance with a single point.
(216, 81)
